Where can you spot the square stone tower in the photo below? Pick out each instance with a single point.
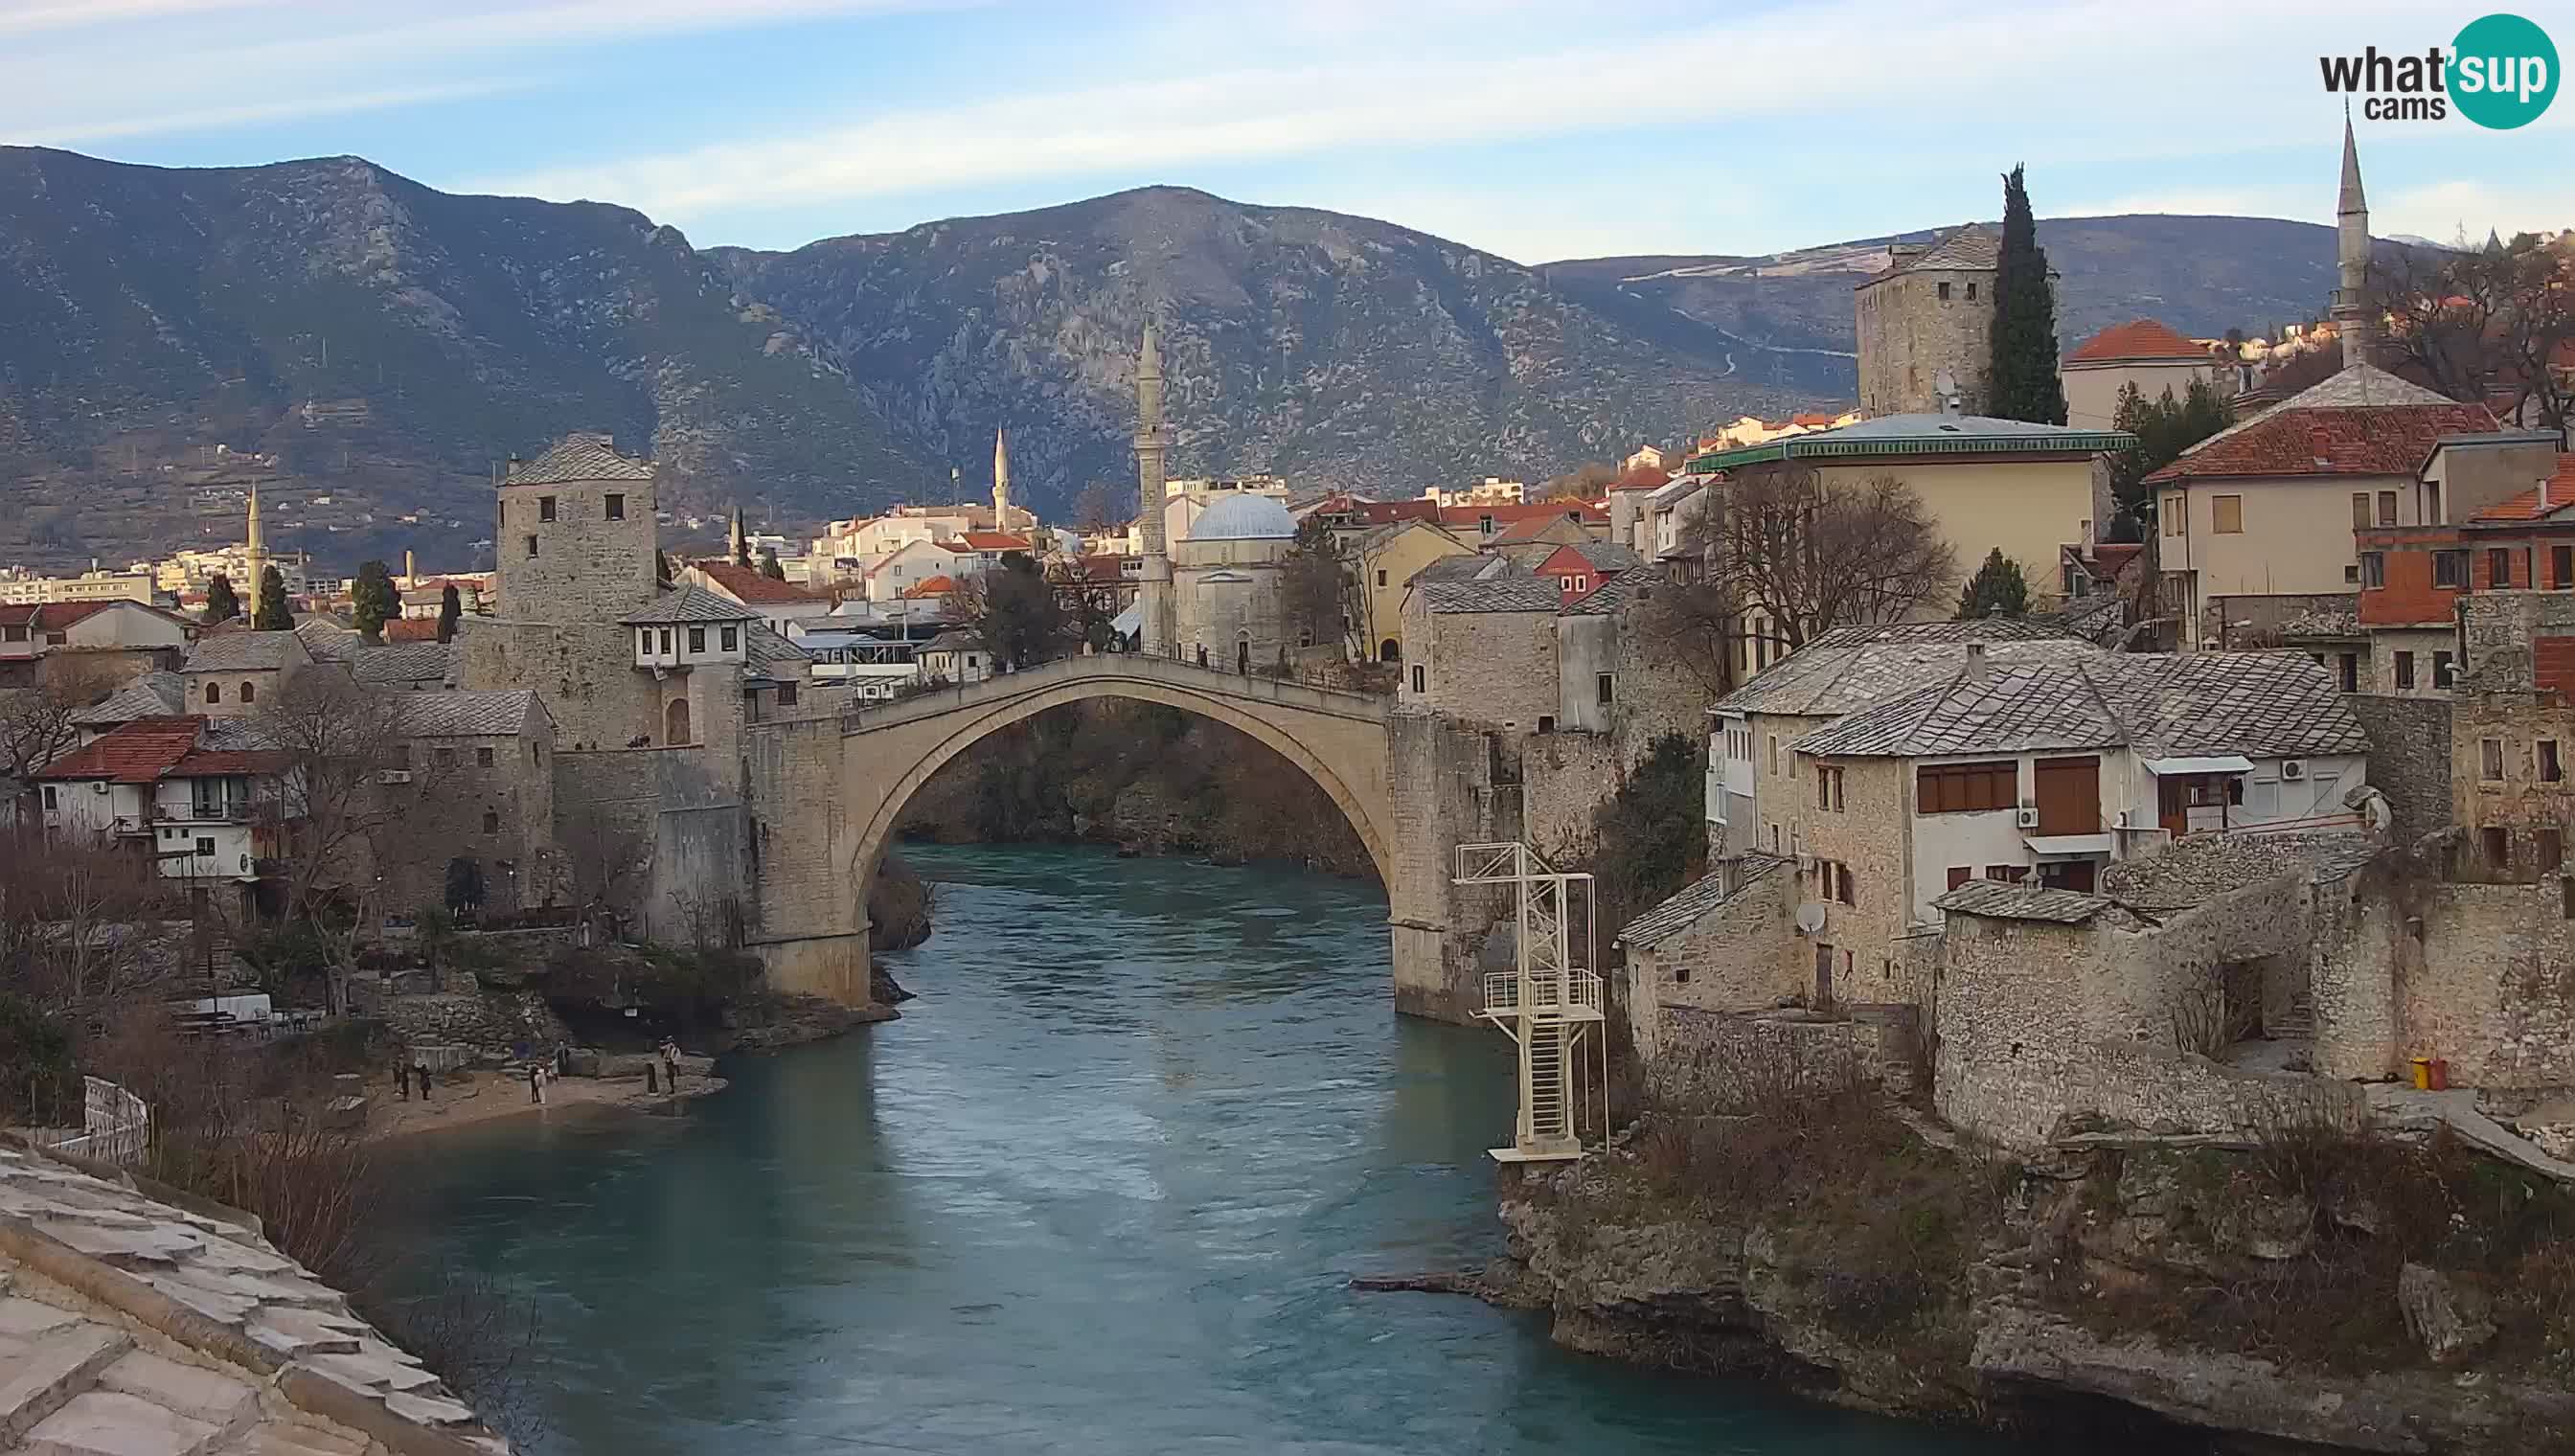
(1932, 310)
(575, 539)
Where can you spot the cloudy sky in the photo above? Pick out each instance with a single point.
(1536, 130)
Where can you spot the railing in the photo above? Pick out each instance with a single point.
(860, 717)
(1579, 992)
(116, 1125)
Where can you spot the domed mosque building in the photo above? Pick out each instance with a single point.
(1226, 577)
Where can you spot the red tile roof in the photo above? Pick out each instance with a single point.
(936, 586)
(2346, 440)
(1591, 513)
(2136, 338)
(137, 752)
(993, 540)
(1814, 422)
(215, 763)
(2526, 507)
(747, 585)
(1534, 527)
(412, 629)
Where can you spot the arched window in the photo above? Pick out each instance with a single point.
(250, 692)
(674, 723)
(1390, 650)
(214, 693)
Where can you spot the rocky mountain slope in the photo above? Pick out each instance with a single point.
(366, 348)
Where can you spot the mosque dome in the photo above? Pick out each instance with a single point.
(1245, 518)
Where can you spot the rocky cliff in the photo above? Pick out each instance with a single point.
(2287, 1295)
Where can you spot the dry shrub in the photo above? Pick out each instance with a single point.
(479, 1337)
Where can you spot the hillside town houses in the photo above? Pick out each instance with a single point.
(2253, 803)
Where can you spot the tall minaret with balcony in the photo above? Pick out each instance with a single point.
(1001, 481)
(1153, 594)
(253, 559)
(2353, 316)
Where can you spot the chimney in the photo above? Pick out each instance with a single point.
(1975, 661)
(2320, 443)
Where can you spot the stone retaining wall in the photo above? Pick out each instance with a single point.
(1712, 1059)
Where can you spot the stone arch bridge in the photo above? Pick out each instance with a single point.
(824, 795)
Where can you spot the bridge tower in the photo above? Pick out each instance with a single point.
(1548, 1005)
(1154, 595)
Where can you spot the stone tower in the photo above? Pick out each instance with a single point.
(575, 534)
(737, 541)
(1930, 313)
(2351, 311)
(1001, 481)
(254, 558)
(1155, 593)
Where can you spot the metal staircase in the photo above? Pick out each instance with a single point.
(1549, 1004)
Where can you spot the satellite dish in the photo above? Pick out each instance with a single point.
(1945, 382)
(1810, 918)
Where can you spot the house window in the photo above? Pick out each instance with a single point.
(2173, 515)
(491, 821)
(50, 802)
(544, 507)
(483, 758)
(1972, 292)
(214, 693)
(2561, 566)
(1941, 788)
(1605, 687)
(2373, 569)
(2388, 508)
(401, 755)
(1846, 888)
(444, 757)
(1945, 293)
(249, 692)
(2432, 503)
(2444, 670)
(729, 638)
(2360, 510)
(1828, 788)
(531, 548)
(1381, 576)
(2450, 569)
(2003, 873)
(1959, 874)
(2549, 769)
(2349, 664)
(2405, 671)
(2497, 846)
(666, 642)
(2490, 759)
(2499, 568)
(2226, 514)
(205, 845)
(1774, 756)
(2551, 848)
(1485, 525)
(1547, 723)
(616, 506)
(787, 694)
(696, 639)
(1420, 678)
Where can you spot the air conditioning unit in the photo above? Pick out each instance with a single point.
(2027, 818)
(2293, 769)
(394, 776)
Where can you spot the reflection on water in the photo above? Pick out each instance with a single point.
(1097, 1192)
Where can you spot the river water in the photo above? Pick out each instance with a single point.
(1097, 1192)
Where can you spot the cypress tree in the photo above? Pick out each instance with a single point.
(272, 614)
(2024, 381)
(451, 609)
(373, 599)
(221, 603)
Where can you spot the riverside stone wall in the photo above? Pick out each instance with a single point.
(1712, 1059)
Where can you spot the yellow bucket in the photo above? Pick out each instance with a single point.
(2422, 1067)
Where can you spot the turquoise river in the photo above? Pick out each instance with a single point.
(1097, 1192)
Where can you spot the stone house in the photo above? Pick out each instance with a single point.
(1481, 650)
(2499, 516)
(956, 658)
(475, 779)
(1926, 317)
(694, 645)
(229, 674)
(2144, 353)
(1385, 560)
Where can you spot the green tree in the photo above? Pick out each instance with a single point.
(1315, 582)
(451, 610)
(464, 884)
(272, 614)
(1997, 590)
(221, 604)
(770, 568)
(1013, 609)
(2164, 427)
(1650, 839)
(2024, 378)
(373, 599)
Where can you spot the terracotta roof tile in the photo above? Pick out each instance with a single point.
(993, 540)
(750, 586)
(412, 629)
(2136, 339)
(939, 585)
(2560, 492)
(139, 753)
(2375, 440)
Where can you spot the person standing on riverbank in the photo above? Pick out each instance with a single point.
(671, 1064)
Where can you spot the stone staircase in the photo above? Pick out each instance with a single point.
(75, 1386)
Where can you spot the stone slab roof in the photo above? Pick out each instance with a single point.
(1616, 594)
(465, 715)
(2000, 902)
(410, 662)
(152, 695)
(1473, 566)
(689, 604)
(1836, 674)
(578, 457)
(766, 648)
(1694, 900)
(1522, 593)
(2162, 705)
(244, 652)
(130, 1324)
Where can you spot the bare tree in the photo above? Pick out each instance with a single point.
(1315, 584)
(1096, 508)
(1806, 555)
(72, 909)
(36, 724)
(2482, 324)
(1581, 482)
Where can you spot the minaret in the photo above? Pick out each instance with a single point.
(1155, 593)
(1001, 481)
(254, 558)
(738, 544)
(2351, 311)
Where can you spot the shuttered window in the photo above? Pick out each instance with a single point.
(1944, 788)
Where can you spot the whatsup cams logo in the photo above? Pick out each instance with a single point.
(2500, 72)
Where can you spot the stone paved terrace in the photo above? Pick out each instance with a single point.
(133, 1327)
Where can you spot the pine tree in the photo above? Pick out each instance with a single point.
(221, 604)
(373, 599)
(1997, 590)
(2164, 427)
(2024, 385)
(451, 609)
(770, 568)
(272, 614)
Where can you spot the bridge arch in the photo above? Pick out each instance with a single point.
(1355, 782)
